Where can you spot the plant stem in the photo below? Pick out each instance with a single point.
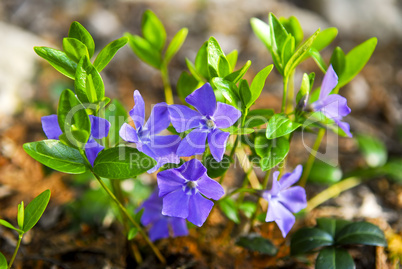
(332, 192)
(128, 216)
(285, 93)
(15, 251)
(311, 159)
(290, 93)
(166, 85)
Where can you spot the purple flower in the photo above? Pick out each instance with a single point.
(161, 226)
(333, 106)
(161, 148)
(284, 200)
(211, 116)
(99, 129)
(181, 189)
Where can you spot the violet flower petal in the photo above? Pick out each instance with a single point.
(99, 127)
(293, 198)
(138, 111)
(281, 215)
(50, 126)
(210, 188)
(199, 208)
(159, 229)
(333, 106)
(192, 170)
(159, 119)
(168, 181)
(179, 226)
(92, 149)
(289, 179)
(176, 204)
(225, 115)
(344, 126)
(193, 143)
(217, 143)
(128, 133)
(329, 82)
(183, 118)
(203, 99)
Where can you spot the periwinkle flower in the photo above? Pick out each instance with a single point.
(285, 200)
(181, 190)
(333, 106)
(161, 148)
(161, 226)
(99, 129)
(207, 121)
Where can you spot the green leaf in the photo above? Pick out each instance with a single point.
(258, 83)
(58, 59)
(88, 82)
(255, 242)
(35, 209)
(248, 208)
(153, 30)
(238, 131)
(307, 239)
(144, 50)
(315, 54)
(324, 38)
(223, 67)
(214, 53)
(258, 117)
(191, 67)
(175, 44)
(201, 61)
(229, 208)
(272, 152)
(304, 91)
(279, 35)
(299, 54)
(294, 28)
(324, 173)
(338, 61)
(20, 215)
(72, 116)
(393, 169)
(288, 50)
(232, 59)
(262, 31)
(186, 85)
(279, 125)
(10, 226)
(237, 75)
(57, 156)
(373, 149)
(364, 233)
(229, 91)
(3, 262)
(122, 163)
(245, 92)
(334, 258)
(74, 49)
(132, 233)
(78, 31)
(356, 59)
(331, 226)
(214, 168)
(108, 52)
(116, 114)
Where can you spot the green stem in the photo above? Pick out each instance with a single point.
(290, 93)
(166, 85)
(311, 159)
(15, 251)
(128, 216)
(285, 93)
(332, 192)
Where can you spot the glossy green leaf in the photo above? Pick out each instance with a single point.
(108, 52)
(258, 83)
(35, 209)
(324, 38)
(238, 131)
(258, 117)
(3, 262)
(194, 72)
(144, 50)
(116, 114)
(20, 214)
(374, 150)
(201, 61)
(74, 49)
(238, 74)
(186, 85)
(214, 53)
(278, 33)
(229, 208)
(72, 116)
(245, 92)
(338, 61)
(334, 258)
(58, 59)
(304, 92)
(364, 233)
(332, 226)
(153, 30)
(293, 27)
(78, 32)
(315, 54)
(279, 125)
(57, 156)
(132, 233)
(232, 59)
(262, 31)
(229, 91)
(298, 56)
(214, 168)
(256, 242)
(324, 173)
(305, 240)
(122, 163)
(175, 44)
(10, 226)
(288, 50)
(356, 59)
(272, 152)
(88, 83)
(223, 66)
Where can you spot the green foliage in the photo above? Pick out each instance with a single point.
(229, 208)
(88, 83)
(324, 173)
(272, 152)
(279, 125)
(175, 44)
(3, 261)
(58, 59)
(35, 209)
(108, 52)
(335, 258)
(145, 51)
(374, 151)
(78, 32)
(116, 114)
(214, 168)
(153, 30)
(256, 242)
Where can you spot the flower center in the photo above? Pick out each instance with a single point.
(190, 187)
(210, 123)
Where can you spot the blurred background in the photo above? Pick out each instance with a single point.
(30, 88)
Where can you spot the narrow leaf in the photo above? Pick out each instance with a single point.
(144, 50)
(85, 77)
(232, 59)
(58, 59)
(315, 54)
(229, 208)
(35, 209)
(338, 61)
(10, 226)
(201, 61)
(108, 52)
(78, 31)
(262, 31)
(20, 214)
(175, 44)
(229, 91)
(3, 262)
(153, 30)
(214, 53)
(74, 49)
(237, 75)
(258, 83)
(279, 125)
